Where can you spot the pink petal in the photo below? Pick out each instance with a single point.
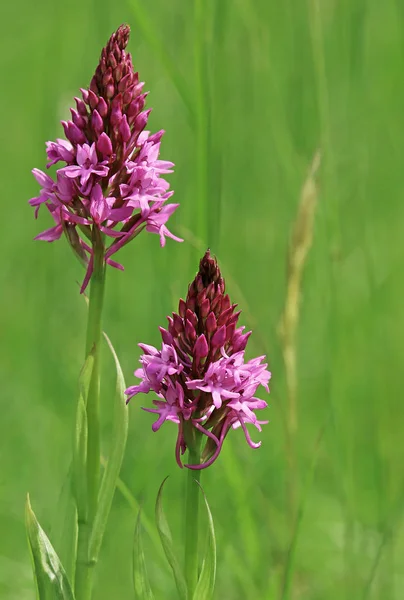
(114, 264)
(89, 272)
(50, 235)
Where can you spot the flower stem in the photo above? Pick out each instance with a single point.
(192, 520)
(85, 564)
(93, 343)
(202, 123)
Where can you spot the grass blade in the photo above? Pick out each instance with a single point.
(140, 578)
(64, 529)
(290, 560)
(202, 124)
(168, 547)
(135, 507)
(148, 31)
(206, 582)
(388, 531)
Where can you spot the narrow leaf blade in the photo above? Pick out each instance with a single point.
(50, 576)
(168, 547)
(206, 582)
(85, 376)
(79, 480)
(145, 24)
(114, 462)
(64, 529)
(140, 578)
(135, 507)
(79, 468)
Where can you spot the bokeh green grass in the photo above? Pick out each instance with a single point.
(247, 91)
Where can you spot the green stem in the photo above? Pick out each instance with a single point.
(201, 134)
(192, 520)
(93, 343)
(85, 564)
(83, 577)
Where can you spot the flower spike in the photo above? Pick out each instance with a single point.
(112, 176)
(201, 377)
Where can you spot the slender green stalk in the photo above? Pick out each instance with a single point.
(201, 136)
(93, 342)
(83, 579)
(192, 520)
(84, 567)
(148, 28)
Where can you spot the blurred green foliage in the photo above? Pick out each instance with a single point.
(247, 91)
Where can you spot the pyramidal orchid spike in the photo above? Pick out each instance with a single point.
(202, 379)
(107, 148)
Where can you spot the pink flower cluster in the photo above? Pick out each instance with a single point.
(200, 375)
(111, 186)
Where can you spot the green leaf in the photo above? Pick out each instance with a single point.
(140, 578)
(85, 376)
(50, 576)
(114, 462)
(64, 529)
(206, 582)
(79, 479)
(79, 470)
(135, 507)
(168, 547)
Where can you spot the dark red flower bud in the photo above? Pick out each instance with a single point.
(77, 119)
(205, 307)
(97, 122)
(81, 107)
(190, 331)
(182, 308)
(211, 323)
(191, 316)
(218, 338)
(102, 107)
(124, 129)
(104, 145)
(178, 323)
(92, 99)
(166, 336)
(201, 348)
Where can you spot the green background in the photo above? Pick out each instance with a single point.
(247, 91)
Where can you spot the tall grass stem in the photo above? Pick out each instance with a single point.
(299, 246)
(202, 139)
